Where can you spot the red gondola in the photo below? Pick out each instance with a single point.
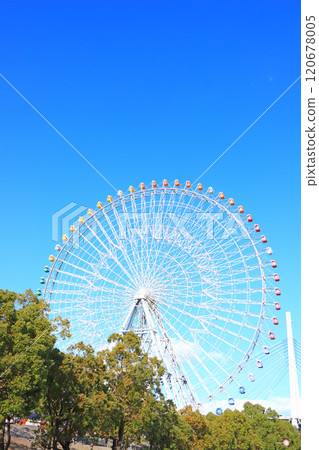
(271, 335)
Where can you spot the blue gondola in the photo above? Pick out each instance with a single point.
(219, 411)
(231, 401)
(242, 390)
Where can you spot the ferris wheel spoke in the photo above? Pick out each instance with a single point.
(108, 253)
(215, 362)
(228, 320)
(113, 256)
(168, 215)
(116, 236)
(172, 262)
(133, 237)
(237, 312)
(186, 355)
(160, 226)
(193, 352)
(205, 322)
(75, 275)
(100, 260)
(236, 272)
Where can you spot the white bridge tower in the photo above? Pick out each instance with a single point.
(293, 380)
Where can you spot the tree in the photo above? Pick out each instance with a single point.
(25, 342)
(74, 401)
(285, 430)
(133, 379)
(263, 422)
(87, 394)
(232, 430)
(269, 428)
(93, 391)
(182, 436)
(200, 435)
(159, 418)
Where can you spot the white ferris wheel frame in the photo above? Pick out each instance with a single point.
(143, 316)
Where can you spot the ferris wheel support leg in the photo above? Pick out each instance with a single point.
(156, 345)
(130, 317)
(180, 376)
(148, 328)
(180, 386)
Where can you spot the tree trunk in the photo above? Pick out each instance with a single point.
(2, 428)
(121, 435)
(54, 444)
(8, 434)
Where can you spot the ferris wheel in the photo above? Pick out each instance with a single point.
(184, 268)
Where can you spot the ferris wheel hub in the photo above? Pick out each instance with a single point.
(143, 294)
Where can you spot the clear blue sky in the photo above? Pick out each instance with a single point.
(148, 90)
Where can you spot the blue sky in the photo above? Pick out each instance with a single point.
(148, 90)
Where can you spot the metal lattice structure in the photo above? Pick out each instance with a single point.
(185, 269)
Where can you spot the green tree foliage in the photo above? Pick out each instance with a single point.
(233, 431)
(199, 430)
(25, 343)
(133, 380)
(182, 436)
(269, 429)
(284, 430)
(263, 422)
(74, 399)
(159, 421)
(255, 428)
(115, 393)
